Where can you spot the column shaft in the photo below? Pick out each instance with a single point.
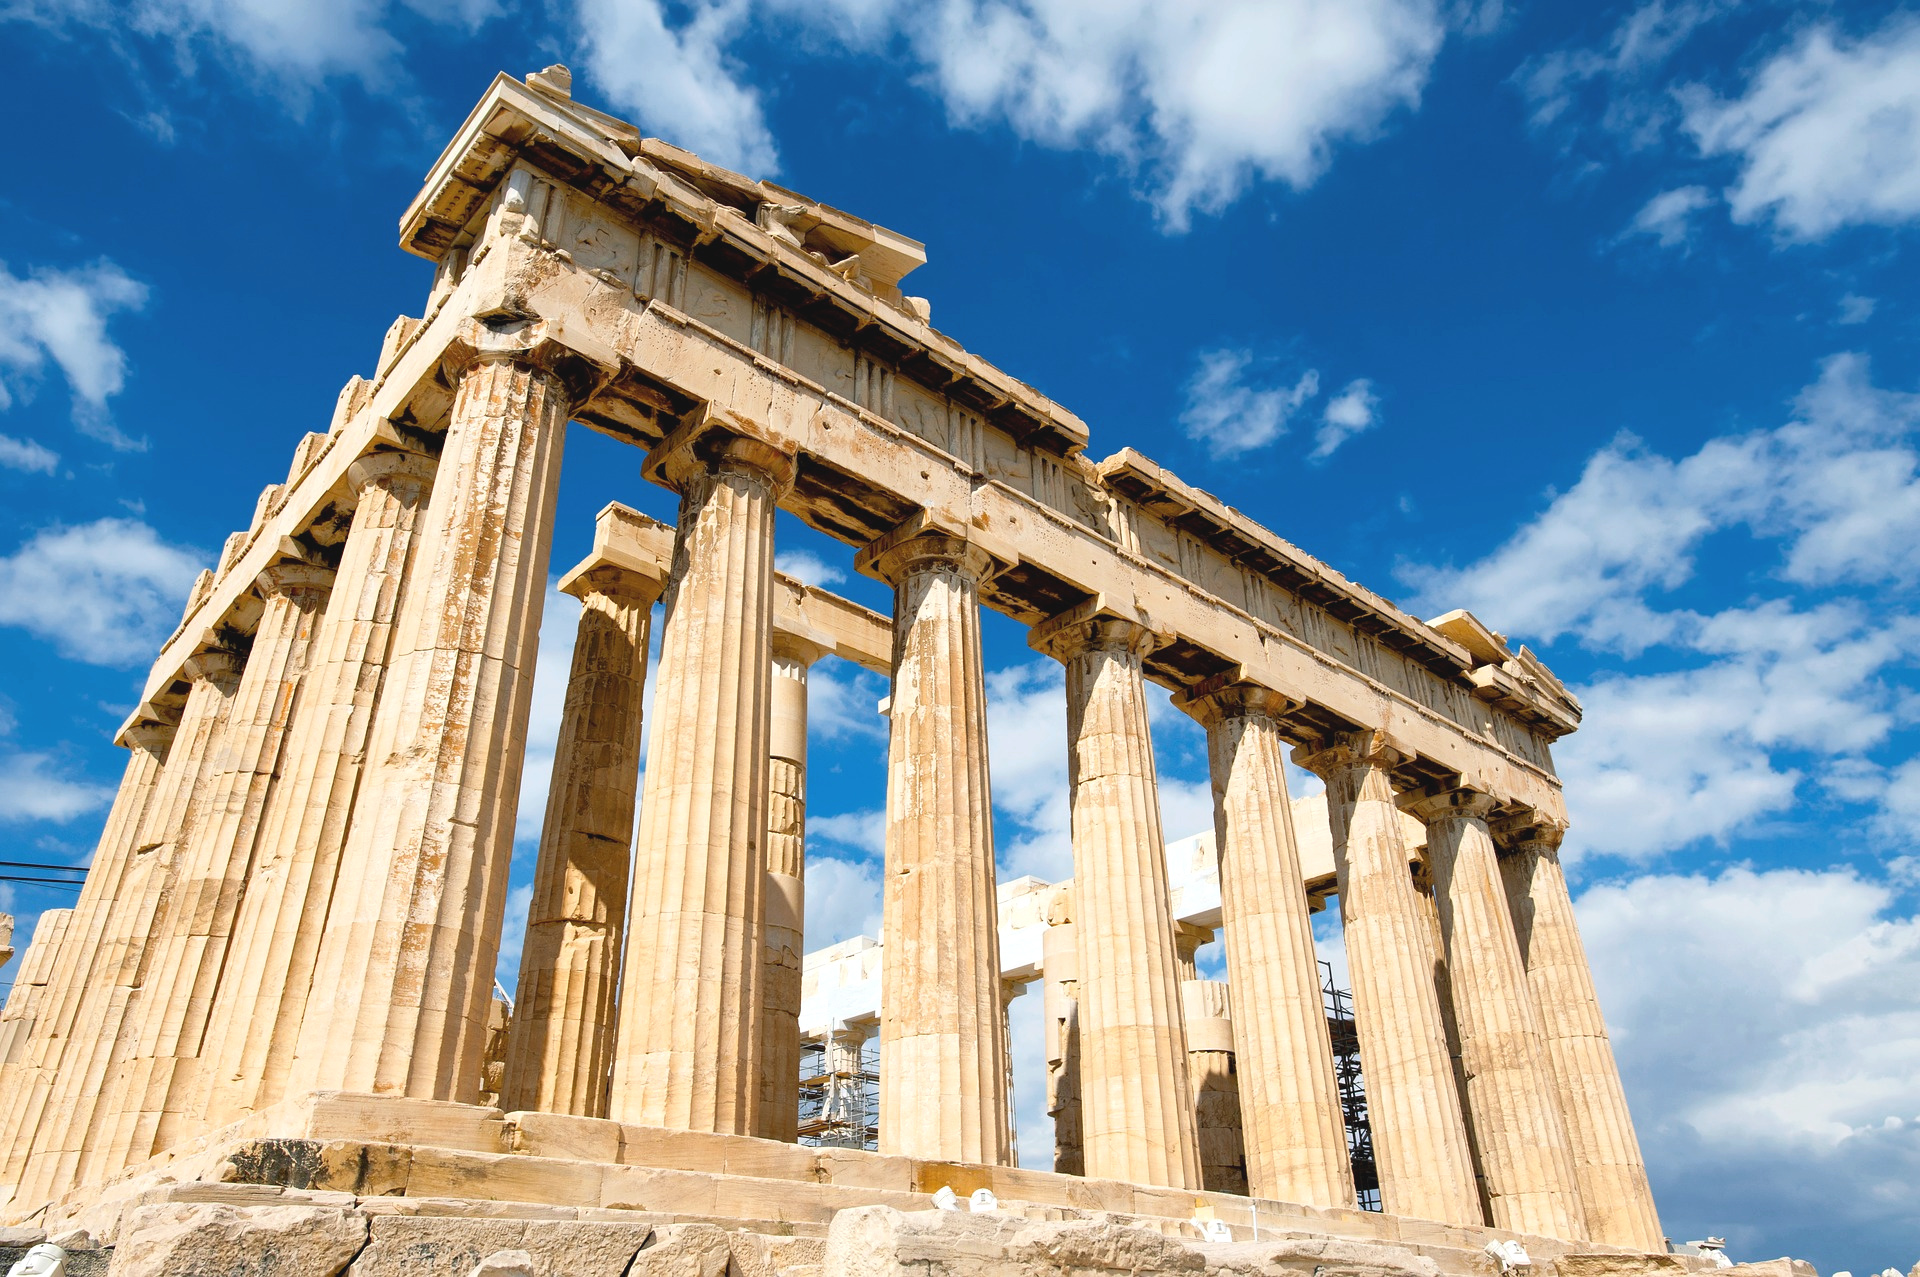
(1525, 1164)
(1295, 1133)
(276, 942)
(1606, 1153)
(70, 1010)
(942, 1087)
(560, 1045)
(403, 985)
(154, 1097)
(1217, 1107)
(687, 1051)
(1062, 963)
(1419, 1134)
(785, 938)
(98, 1048)
(1137, 1117)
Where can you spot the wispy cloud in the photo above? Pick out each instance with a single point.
(1354, 409)
(61, 315)
(28, 455)
(1668, 216)
(1235, 405)
(104, 592)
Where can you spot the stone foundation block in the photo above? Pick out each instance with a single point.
(211, 1239)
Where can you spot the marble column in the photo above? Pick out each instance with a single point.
(844, 1106)
(1136, 1100)
(69, 1018)
(785, 932)
(943, 1089)
(277, 939)
(1525, 1165)
(158, 1099)
(1419, 1133)
(403, 985)
(1289, 1102)
(70, 1133)
(687, 1054)
(560, 1045)
(1607, 1165)
(31, 981)
(1060, 959)
(1217, 1107)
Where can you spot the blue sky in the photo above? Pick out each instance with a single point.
(1598, 320)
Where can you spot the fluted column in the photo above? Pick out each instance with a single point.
(1136, 1099)
(1607, 1164)
(68, 1021)
(403, 986)
(153, 1101)
(31, 981)
(942, 1087)
(843, 1109)
(1217, 1107)
(687, 1054)
(1525, 1165)
(1289, 1102)
(99, 1047)
(1060, 959)
(560, 1045)
(1419, 1134)
(276, 943)
(785, 933)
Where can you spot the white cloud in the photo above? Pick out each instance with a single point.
(1855, 309)
(1767, 1025)
(1204, 98)
(1354, 409)
(843, 900)
(28, 455)
(1027, 756)
(1827, 132)
(1668, 216)
(864, 831)
(678, 79)
(32, 788)
(1840, 483)
(1761, 695)
(808, 568)
(1232, 413)
(62, 315)
(1572, 90)
(1197, 101)
(104, 592)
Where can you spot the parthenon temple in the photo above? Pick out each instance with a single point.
(270, 1019)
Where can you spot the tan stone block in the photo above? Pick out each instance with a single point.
(684, 1250)
(414, 1246)
(857, 1168)
(1623, 1265)
(504, 1176)
(193, 1239)
(645, 1188)
(562, 1135)
(397, 1119)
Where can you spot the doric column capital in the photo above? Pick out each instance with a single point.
(1092, 626)
(1457, 803)
(615, 581)
(717, 441)
(1529, 831)
(1366, 748)
(1231, 694)
(218, 665)
(149, 734)
(290, 576)
(387, 468)
(581, 365)
(920, 545)
(798, 649)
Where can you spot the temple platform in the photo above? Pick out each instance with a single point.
(432, 1187)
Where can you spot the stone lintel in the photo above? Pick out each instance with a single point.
(808, 615)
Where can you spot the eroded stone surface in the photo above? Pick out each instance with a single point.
(193, 1239)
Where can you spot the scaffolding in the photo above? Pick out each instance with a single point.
(1353, 1089)
(840, 1105)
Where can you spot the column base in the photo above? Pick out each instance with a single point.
(400, 1170)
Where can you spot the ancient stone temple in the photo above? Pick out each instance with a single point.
(268, 1026)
